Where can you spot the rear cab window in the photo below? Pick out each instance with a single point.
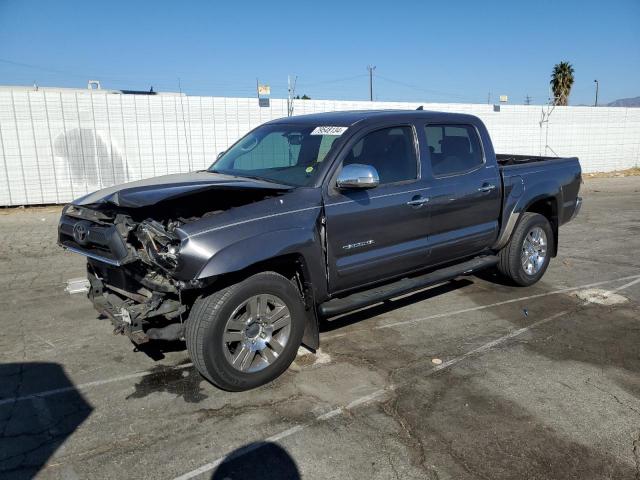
(453, 149)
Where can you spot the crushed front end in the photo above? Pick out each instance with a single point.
(141, 275)
(129, 268)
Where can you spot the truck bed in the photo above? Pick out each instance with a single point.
(505, 159)
(559, 176)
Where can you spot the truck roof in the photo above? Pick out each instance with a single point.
(351, 117)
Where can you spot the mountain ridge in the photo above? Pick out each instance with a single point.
(625, 102)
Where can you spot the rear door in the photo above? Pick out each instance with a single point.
(465, 195)
(381, 232)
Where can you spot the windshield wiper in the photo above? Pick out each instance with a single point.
(254, 177)
(262, 179)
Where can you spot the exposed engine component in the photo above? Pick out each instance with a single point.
(160, 246)
(132, 307)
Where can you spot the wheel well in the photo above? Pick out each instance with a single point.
(292, 267)
(289, 266)
(548, 207)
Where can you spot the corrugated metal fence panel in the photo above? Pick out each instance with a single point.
(59, 145)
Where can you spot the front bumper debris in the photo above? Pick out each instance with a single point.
(132, 311)
(77, 285)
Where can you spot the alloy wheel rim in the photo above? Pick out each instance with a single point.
(256, 333)
(534, 251)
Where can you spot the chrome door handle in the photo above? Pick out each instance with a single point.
(418, 202)
(487, 188)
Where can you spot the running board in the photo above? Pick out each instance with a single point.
(378, 294)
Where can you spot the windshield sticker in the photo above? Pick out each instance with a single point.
(327, 130)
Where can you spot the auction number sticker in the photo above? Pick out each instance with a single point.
(328, 130)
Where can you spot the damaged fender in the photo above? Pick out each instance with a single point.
(301, 242)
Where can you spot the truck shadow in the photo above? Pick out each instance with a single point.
(156, 349)
(492, 275)
(390, 305)
(33, 427)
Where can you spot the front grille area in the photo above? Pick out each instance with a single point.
(96, 240)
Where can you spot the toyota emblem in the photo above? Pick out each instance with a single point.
(81, 232)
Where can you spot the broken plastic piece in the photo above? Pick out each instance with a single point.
(77, 285)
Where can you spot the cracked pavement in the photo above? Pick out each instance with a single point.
(561, 399)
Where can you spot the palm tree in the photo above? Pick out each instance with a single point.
(561, 83)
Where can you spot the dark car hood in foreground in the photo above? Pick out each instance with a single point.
(144, 193)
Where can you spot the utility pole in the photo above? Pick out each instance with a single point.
(489, 98)
(597, 87)
(371, 68)
(291, 90)
(289, 95)
(527, 100)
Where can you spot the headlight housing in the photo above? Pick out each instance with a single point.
(162, 247)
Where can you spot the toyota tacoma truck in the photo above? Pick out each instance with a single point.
(310, 217)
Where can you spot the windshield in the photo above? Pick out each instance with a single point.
(288, 154)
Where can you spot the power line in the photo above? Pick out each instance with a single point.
(426, 90)
(335, 80)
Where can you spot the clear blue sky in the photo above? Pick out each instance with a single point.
(423, 50)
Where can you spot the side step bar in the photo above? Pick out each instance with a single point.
(378, 294)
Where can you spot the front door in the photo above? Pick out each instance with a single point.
(377, 233)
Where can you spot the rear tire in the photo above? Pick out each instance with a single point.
(247, 334)
(526, 257)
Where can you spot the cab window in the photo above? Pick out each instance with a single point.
(391, 151)
(453, 149)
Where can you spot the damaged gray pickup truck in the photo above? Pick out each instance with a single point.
(311, 217)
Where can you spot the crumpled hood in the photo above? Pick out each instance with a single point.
(144, 193)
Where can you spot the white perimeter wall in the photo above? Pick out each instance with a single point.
(58, 145)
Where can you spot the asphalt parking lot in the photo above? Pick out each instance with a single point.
(535, 383)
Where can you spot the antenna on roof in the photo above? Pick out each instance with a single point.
(421, 107)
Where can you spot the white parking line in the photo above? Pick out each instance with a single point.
(626, 285)
(497, 304)
(513, 300)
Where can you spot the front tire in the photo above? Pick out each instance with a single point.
(247, 334)
(526, 257)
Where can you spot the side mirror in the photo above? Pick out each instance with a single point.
(220, 154)
(357, 175)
